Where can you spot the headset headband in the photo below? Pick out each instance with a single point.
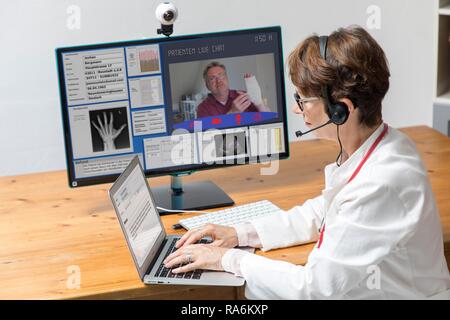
(323, 41)
(337, 111)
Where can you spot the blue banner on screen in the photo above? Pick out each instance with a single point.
(227, 121)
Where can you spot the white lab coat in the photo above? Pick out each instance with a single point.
(383, 237)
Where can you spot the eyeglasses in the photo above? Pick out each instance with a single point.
(301, 101)
(219, 76)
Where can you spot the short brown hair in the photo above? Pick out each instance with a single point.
(211, 65)
(355, 68)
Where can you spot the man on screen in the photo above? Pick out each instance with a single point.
(223, 100)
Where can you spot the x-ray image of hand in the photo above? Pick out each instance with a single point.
(107, 131)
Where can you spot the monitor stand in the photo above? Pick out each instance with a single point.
(190, 196)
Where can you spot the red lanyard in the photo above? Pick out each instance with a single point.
(355, 173)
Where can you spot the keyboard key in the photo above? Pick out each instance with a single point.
(164, 273)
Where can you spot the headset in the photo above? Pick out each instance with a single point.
(337, 111)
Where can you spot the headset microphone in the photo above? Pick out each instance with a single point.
(299, 133)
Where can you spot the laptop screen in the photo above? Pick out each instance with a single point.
(137, 212)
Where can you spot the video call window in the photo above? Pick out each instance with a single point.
(197, 87)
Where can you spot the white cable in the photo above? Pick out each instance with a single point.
(178, 211)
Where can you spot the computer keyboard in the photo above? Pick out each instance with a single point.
(164, 272)
(232, 216)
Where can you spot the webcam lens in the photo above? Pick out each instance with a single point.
(168, 15)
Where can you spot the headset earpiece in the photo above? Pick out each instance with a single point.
(338, 112)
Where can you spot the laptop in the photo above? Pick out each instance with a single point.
(145, 235)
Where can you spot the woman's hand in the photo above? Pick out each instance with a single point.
(225, 237)
(196, 256)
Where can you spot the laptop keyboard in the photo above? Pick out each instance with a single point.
(164, 272)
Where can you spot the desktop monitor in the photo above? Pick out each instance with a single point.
(181, 104)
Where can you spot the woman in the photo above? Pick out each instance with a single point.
(376, 223)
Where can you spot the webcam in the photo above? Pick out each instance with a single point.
(166, 13)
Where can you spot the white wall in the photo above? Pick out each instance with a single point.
(30, 124)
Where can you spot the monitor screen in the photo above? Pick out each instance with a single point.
(180, 103)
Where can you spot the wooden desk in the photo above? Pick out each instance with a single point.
(45, 227)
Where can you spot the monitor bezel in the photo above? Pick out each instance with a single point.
(108, 178)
